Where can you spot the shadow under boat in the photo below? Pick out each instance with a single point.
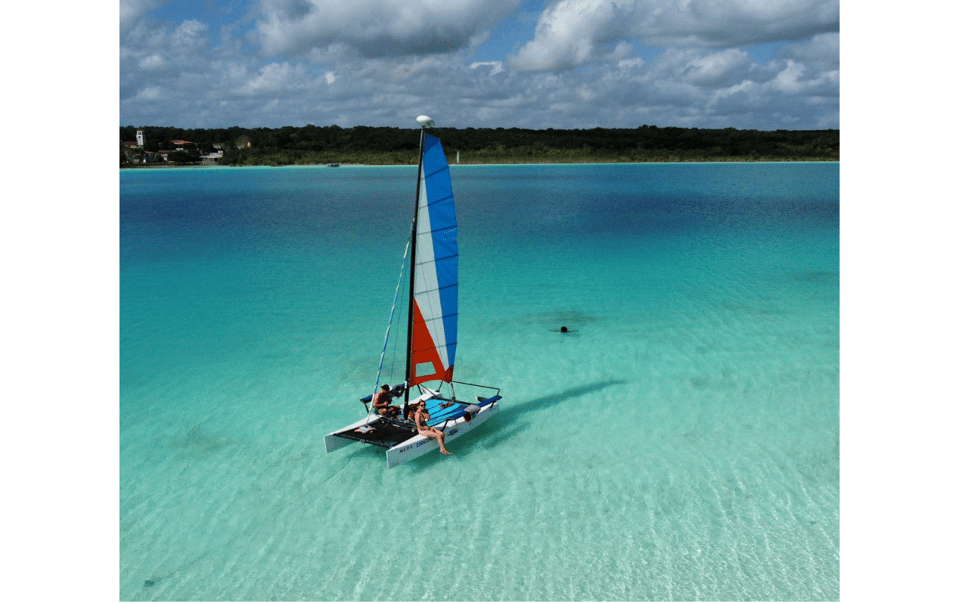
(510, 419)
(551, 400)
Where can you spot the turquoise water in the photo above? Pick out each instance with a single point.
(681, 444)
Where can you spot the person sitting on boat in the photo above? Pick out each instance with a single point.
(381, 402)
(420, 418)
(412, 409)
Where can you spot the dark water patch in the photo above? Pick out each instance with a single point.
(764, 309)
(727, 380)
(152, 581)
(200, 443)
(356, 370)
(822, 278)
(700, 382)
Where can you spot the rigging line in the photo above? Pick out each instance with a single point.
(386, 336)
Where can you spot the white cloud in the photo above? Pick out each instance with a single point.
(376, 28)
(495, 66)
(789, 80)
(274, 78)
(149, 94)
(797, 79)
(571, 33)
(735, 22)
(132, 10)
(822, 50)
(170, 74)
(720, 68)
(155, 46)
(189, 38)
(693, 88)
(154, 61)
(634, 62)
(178, 74)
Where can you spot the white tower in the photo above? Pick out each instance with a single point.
(140, 138)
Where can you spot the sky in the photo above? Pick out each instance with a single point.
(747, 64)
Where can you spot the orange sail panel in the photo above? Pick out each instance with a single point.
(425, 361)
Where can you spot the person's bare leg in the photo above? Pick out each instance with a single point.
(440, 438)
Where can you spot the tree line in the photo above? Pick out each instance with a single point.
(382, 145)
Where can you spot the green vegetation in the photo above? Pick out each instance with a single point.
(366, 145)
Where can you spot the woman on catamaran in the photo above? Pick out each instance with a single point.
(420, 418)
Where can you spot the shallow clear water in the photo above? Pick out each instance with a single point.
(681, 444)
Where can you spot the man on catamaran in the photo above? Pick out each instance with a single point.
(381, 402)
(421, 417)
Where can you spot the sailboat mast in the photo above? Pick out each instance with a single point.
(413, 266)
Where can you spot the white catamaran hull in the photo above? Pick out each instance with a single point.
(420, 445)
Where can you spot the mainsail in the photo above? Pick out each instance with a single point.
(435, 285)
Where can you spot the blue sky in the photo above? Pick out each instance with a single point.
(763, 64)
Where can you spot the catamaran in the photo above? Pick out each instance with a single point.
(431, 329)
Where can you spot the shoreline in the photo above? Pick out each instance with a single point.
(518, 163)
